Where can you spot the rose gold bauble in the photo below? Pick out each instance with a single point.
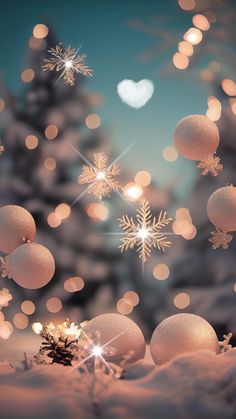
(196, 137)
(180, 334)
(130, 341)
(31, 265)
(221, 208)
(16, 225)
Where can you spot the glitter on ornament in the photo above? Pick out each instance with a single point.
(100, 177)
(145, 232)
(67, 62)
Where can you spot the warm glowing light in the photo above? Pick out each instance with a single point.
(27, 75)
(40, 31)
(28, 307)
(180, 61)
(170, 154)
(229, 87)
(6, 330)
(124, 306)
(37, 328)
(191, 234)
(214, 109)
(50, 164)
(207, 75)
(54, 305)
(68, 64)
(97, 350)
(93, 121)
(132, 297)
(51, 132)
(143, 233)
(183, 214)
(201, 22)
(185, 48)
(161, 271)
(143, 178)
(2, 105)
(53, 220)
(63, 211)
(193, 35)
(97, 211)
(31, 142)
(132, 191)
(233, 105)
(21, 321)
(187, 4)
(74, 284)
(182, 227)
(101, 175)
(182, 300)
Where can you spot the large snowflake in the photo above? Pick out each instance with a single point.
(211, 165)
(220, 238)
(100, 177)
(145, 232)
(68, 62)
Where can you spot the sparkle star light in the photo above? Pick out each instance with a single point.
(67, 62)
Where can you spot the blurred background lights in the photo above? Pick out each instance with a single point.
(170, 154)
(31, 142)
(201, 22)
(185, 48)
(53, 220)
(193, 35)
(28, 307)
(40, 31)
(97, 211)
(2, 104)
(143, 178)
(63, 211)
(74, 284)
(161, 271)
(6, 330)
(27, 75)
(92, 121)
(182, 300)
(132, 297)
(54, 304)
(50, 163)
(51, 132)
(180, 61)
(187, 4)
(132, 191)
(21, 321)
(229, 87)
(232, 103)
(124, 306)
(214, 108)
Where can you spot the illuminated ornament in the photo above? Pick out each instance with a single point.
(119, 333)
(31, 266)
(181, 334)
(100, 177)
(145, 232)
(67, 62)
(221, 210)
(197, 138)
(17, 226)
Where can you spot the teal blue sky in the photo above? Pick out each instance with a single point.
(112, 48)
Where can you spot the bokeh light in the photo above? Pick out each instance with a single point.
(185, 48)
(182, 300)
(143, 178)
(187, 4)
(31, 142)
(229, 87)
(97, 211)
(93, 121)
(53, 220)
(6, 330)
(193, 35)
(170, 154)
(214, 108)
(2, 104)
(28, 307)
(183, 214)
(21, 321)
(50, 163)
(132, 297)
(232, 103)
(201, 22)
(74, 284)
(51, 132)
(40, 31)
(180, 61)
(132, 191)
(27, 75)
(63, 211)
(161, 271)
(124, 306)
(54, 305)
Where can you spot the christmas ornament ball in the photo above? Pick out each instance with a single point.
(16, 226)
(180, 334)
(126, 338)
(196, 137)
(31, 265)
(221, 208)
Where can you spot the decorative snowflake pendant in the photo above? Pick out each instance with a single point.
(211, 165)
(220, 238)
(145, 232)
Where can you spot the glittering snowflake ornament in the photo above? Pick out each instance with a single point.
(67, 62)
(210, 164)
(101, 179)
(144, 232)
(220, 238)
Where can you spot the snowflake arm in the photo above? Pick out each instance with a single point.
(210, 165)
(220, 238)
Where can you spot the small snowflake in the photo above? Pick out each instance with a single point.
(101, 179)
(225, 345)
(145, 232)
(220, 238)
(211, 165)
(68, 62)
(5, 297)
